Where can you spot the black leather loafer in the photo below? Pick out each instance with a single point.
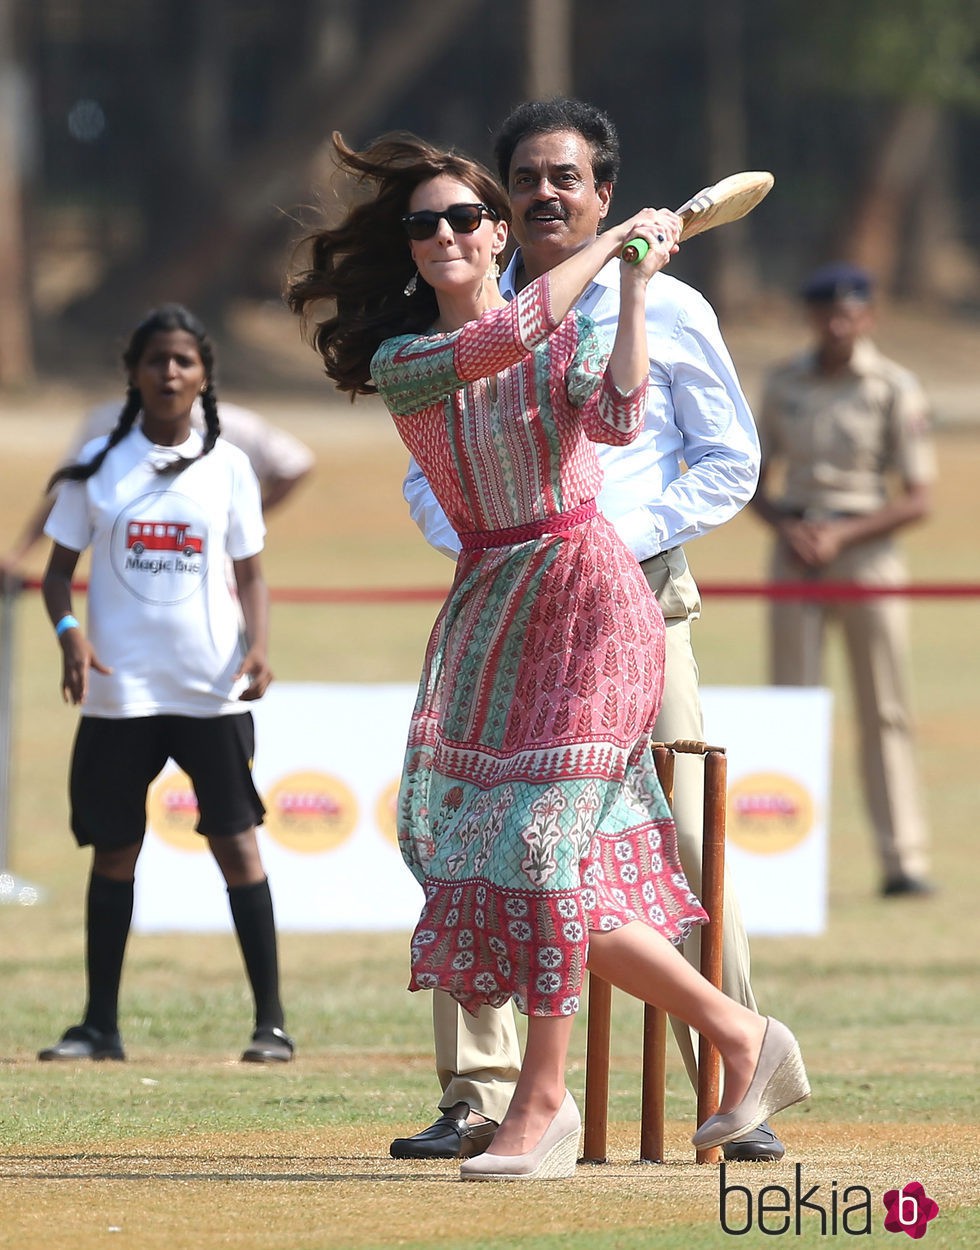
(81, 1041)
(449, 1138)
(761, 1145)
(269, 1046)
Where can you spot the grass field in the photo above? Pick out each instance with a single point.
(184, 1148)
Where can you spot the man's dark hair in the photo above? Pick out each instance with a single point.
(544, 117)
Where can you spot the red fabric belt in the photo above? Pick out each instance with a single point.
(560, 523)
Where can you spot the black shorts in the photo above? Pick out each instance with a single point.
(114, 761)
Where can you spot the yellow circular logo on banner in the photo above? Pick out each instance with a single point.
(171, 812)
(769, 813)
(310, 812)
(386, 812)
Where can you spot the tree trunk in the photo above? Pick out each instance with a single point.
(549, 48)
(273, 176)
(16, 352)
(881, 212)
(728, 265)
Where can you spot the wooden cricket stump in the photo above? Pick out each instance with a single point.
(654, 1060)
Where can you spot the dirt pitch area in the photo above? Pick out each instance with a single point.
(339, 1189)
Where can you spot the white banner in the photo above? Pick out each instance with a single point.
(777, 740)
(327, 763)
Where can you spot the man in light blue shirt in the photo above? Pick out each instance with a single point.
(694, 466)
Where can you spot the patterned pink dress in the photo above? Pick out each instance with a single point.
(529, 809)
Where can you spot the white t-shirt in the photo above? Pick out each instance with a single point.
(160, 612)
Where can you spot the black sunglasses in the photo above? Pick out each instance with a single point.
(462, 218)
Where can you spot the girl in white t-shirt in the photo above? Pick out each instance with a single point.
(163, 670)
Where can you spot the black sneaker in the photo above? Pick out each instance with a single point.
(269, 1046)
(895, 887)
(82, 1041)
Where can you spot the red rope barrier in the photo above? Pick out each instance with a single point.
(839, 590)
(717, 590)
(361, 594)
(720, 590)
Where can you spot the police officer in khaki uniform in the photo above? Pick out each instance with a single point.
(850, 430)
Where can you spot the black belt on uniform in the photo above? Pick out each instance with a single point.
(819, 514)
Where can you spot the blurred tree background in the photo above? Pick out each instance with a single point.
(169, 149)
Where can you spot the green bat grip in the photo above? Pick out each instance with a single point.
(634, 251)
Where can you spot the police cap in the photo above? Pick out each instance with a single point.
(839, 280)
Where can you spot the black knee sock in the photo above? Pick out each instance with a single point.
(109, 913)
(251, 911)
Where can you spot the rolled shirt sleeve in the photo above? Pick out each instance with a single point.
(427, 513)
(696, 463)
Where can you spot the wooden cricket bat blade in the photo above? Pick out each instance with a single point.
(724, 201)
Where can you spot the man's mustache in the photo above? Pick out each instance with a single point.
(553, 208)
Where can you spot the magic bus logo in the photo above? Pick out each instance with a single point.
(171, 812)
(827, 1210)
(310, 812)
(158, 547)
(171, 537)
(386, 812)
(769, 813)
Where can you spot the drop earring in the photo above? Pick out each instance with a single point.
(493, 270)
(411, 286)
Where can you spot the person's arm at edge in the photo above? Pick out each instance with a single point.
(279, 459)
(97, 422)
(30, 536)
(275, 490)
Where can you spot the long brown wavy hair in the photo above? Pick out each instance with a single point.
(363, 265)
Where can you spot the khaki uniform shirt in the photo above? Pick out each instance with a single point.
(840, 437)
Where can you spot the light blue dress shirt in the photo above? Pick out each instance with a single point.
(695, 463)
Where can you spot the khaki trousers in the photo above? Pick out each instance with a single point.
(478, 1058)
(876, 640)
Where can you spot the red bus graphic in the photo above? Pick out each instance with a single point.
(161, 536)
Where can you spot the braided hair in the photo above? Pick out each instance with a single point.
(166, 317)
(362, 265)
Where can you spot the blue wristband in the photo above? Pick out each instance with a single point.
(66, 623)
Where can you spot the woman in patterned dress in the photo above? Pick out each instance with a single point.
(529, 810)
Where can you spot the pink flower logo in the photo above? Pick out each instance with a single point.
(909, 1210)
